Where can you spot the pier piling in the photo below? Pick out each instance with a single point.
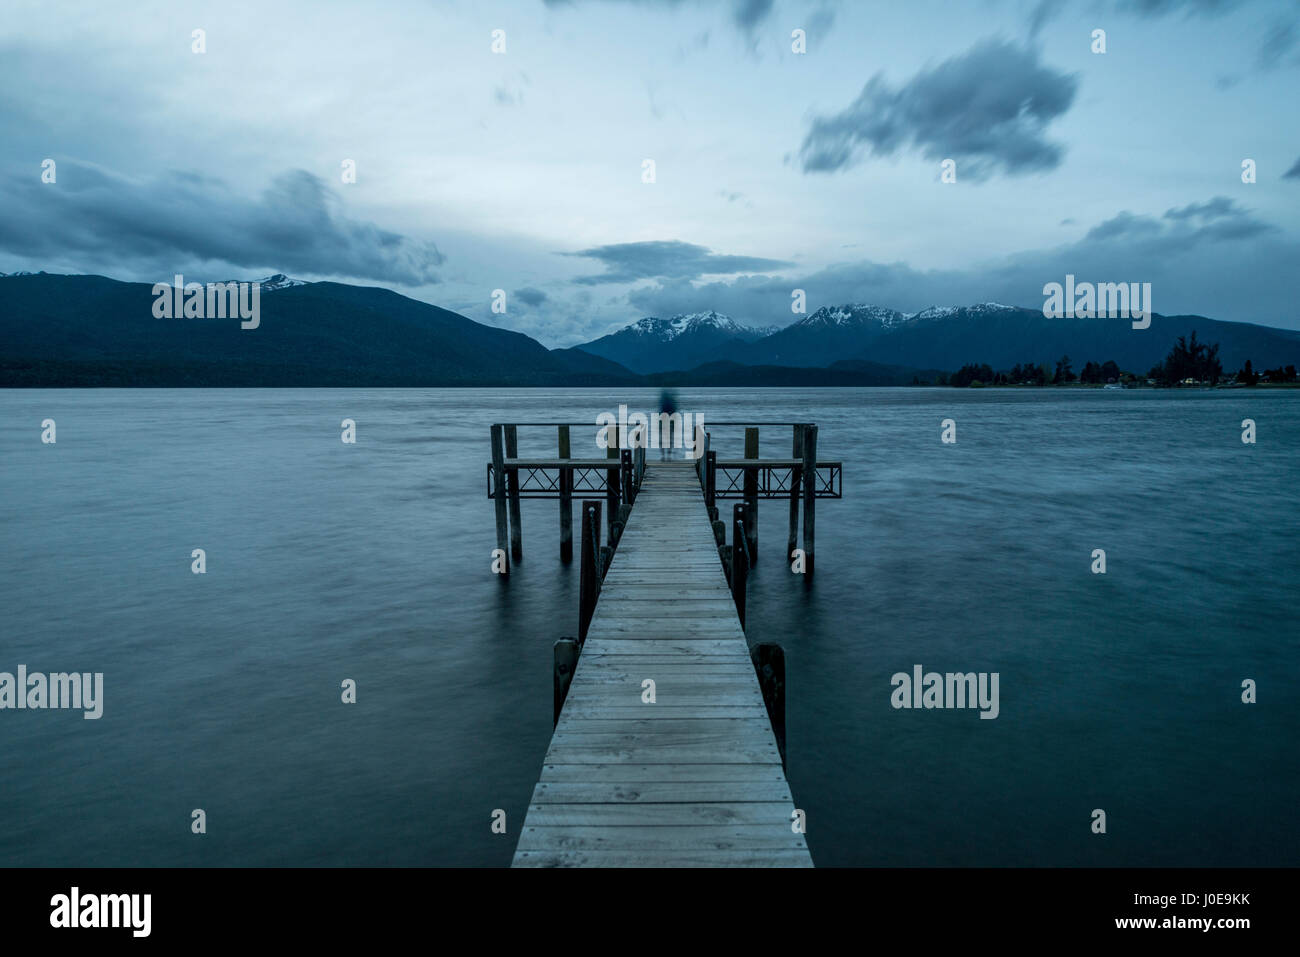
(566, 498)
(566, 660)
(512, 480)
(796, 475)
(589, 574)
(611, 478)
(751, 494)
(740, 560)
(809, 496)
(499, 495)
(769, 666)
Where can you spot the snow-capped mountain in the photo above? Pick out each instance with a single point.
(852, 315)
(279, 281)
(944, 312)
(665, 330)
(273, 283)
(827, 335)
(684, 341)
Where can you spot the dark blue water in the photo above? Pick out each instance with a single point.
(325, 562)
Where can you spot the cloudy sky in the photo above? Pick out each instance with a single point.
(523, 170)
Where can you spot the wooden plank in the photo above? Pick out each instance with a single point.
(774, 814)
(616, 644)
(654, 838)
(627, 772)
(681, 707)
(659, 792)
(650, 750)
(643, 726)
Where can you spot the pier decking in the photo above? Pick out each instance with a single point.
(694, 778)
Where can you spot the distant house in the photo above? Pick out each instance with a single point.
(1189, 381)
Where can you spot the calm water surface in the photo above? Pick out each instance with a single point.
(324, 562)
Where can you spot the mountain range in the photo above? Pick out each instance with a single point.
(79, 330)
(938, 337)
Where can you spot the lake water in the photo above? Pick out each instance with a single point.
(326, 561)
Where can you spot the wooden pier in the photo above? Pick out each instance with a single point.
(694, 779)
(669, 743)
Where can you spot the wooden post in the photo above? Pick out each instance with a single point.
(638, 456)
(619, 524)
(499, 495)
(589, 575)
(611, 477)
(566, 660)
(751, 494)
(566, 499)
(702, 463)
(809, 496)
(711, 488)
(625, 475)
(512, 479)
(796, 477)
(769, 664)
(739, 560)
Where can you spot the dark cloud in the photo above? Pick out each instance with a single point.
(987, 108)
(93, 215)
(748, 14)
(672, 259)
(530, 296)
(1293, 172)
(1216, 220)
(1216, 208)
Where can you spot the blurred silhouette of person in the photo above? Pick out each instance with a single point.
(667, 406)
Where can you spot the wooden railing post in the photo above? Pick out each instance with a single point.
(611, 477)
(796, 476)
(711, 484)
(638, 455)
(499, 496)
(566, 499)
(739, 560)
(512, 479)
(769, 665)
(751, 494)
(566, 660)
(625, 474)
(589, 574)
(809, 496)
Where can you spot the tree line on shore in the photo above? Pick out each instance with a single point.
(1188, 362)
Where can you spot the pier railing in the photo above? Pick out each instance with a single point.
(512, 477)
